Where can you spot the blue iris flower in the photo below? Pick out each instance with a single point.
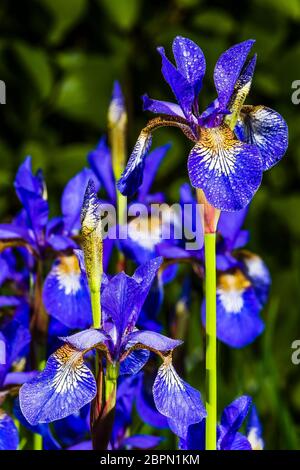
(67, 384)
(229, 436)
(234, 143)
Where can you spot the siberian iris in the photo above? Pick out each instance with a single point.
(234, 144)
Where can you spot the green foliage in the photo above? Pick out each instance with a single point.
(59, 59)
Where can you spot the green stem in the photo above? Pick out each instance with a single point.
(96, 306)
(111, 378)
(211, 341)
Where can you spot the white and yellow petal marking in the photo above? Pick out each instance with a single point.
(68, 274)
(62, 388)
(255, 440)
(176, 399)
(230, 289)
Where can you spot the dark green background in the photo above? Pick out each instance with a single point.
(59, 59)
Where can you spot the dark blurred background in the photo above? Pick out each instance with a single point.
(59, 58)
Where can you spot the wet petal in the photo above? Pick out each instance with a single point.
(228, 171)
(132, 176)
(238, 309)
(228, 69)
(9, 438)
(190, 61)
(182, 89)
(177, 400)
(66, 296)
(161, 107)
(62, 388)
(265, 128)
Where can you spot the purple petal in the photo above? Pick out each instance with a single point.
(86, 445)
(190, 61)
(258, 273)
(101, 164)
(86, 339)
(134, 362)
(228, 171)
(72, 199)
(66, 295)
(182, 89)
(230, 224)
(228, 69)
(152, 341)
(11, 231)
(61, 242)
(265, 128)
(161, 107)
(238, 309)
(232, 419)
(177, 400)
(9, 438)
(145, 404)
(61, 389)
(132, 176)
(152, 165)
(140, 441)
(117, 105)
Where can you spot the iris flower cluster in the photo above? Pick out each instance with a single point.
(97, 372)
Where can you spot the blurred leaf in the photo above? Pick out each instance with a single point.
(124, 13)
(65, 14)
(290, 9)
(215, 20)
(36, 64)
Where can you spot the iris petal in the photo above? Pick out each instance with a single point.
(62, 388)
(161, 107)
(228, 171)
(66, 295)
(265, 128)
(9, 439)
(177, 400)
(228, 69)
(190, 61)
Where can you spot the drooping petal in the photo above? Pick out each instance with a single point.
(66, 296)
(195, 437)
(87, 339)
(232, 419)
(228, 69)
(177, 400)
(228, 171)
(161, 107)
(72, 199)
(101, 164)
(182, 89)
(62, 388)
(152, 165)
(238, 309)
(134, 362)
(265, 128)
(190, 61)
(9, 438)
(132, 176)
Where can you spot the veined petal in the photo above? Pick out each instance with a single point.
(228, 69)
(182, 89)
(9, 438)
(66, 296)
(132, 176)
(177, 400)
(87, 339)
(62, 388)
(265, 128)
(161, 107)
(190, 61)
(134, 362)
(228, 171)
(238, 308)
